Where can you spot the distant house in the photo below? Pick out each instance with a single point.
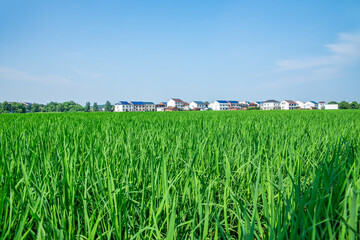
(331, 106)
(254, 104)
(219, 105)
(138, 106)
(288, 105)
(244, 104)
(160, 107)
(149, 107)
(321, 105)
(300, 104)
(123, 106)
(171, 109)
(175, 102)
(186, 106)
(197, 104)
(234, 105)
(311, 105)
(270, 105)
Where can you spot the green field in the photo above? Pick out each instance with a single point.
(180, 175)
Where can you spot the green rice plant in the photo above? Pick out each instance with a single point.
(180, 175)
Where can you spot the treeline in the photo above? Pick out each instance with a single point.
(346, 105)
(71, 106)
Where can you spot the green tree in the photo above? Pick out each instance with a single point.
(354, 105)
(87, 107)
(6, 107)
(108, 106)
(35, 108)
(333, 102)
(95, 107)
(344, 105)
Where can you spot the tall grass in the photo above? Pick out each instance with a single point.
(185, 175)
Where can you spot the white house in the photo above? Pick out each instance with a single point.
(288, 105)
(270, 105)
(300, 104)
(331, 106)
(244, 104)
(321, 105)
(138, 106)
(149, 107)
(197, 104)
(175, 102)
(234, 105)
(219, 105)
(123, 106)
(311, 105)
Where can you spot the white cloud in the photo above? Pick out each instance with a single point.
(346, 50)
(17, 75)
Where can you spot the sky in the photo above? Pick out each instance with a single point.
(194, 50)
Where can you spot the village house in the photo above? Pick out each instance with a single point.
(175, 102)
(219, 105)
(254, 105)
(311, 105)
(123, 106)
(321, 105)
(138, 106)
(171, 109)
(288, 105)
(270, 105)
(160, 107)
(197, 104)
(234, 105)
(149, 107)
(244, 104)
(300, 104)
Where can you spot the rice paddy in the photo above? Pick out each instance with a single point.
(180, 175)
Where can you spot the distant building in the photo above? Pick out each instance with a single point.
(138, 106)
(219, 105)
(149, 107)
(197, 104)
(270, 105)
(234, 105)
(311, 105)
(171, 109)
(254, 104)
(288, 105)
(331, 106)
(300, 104)
(186, 106)
(160, 107)
(123, 106)
(175, 102)
(321, 105)
(244, 104)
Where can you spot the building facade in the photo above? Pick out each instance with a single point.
(270, 105)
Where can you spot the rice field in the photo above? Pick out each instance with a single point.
(180, 175)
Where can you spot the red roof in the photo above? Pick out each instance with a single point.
(290, 101)
(177, 100)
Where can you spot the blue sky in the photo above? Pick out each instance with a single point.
(195, 50)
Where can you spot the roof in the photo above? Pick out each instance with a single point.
(149, 103)
(165, 103)
(271, 100)
(313, 102)
(321, 102)
(290, 101)
(137, 103)
(123, 103)
(177, 99)
(221, 101)
(199, 102)
(231, 101)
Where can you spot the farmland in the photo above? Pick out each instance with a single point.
(180, 175)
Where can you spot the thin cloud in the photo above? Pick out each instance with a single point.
(87, 74)
(22, 76)
(345, 51)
